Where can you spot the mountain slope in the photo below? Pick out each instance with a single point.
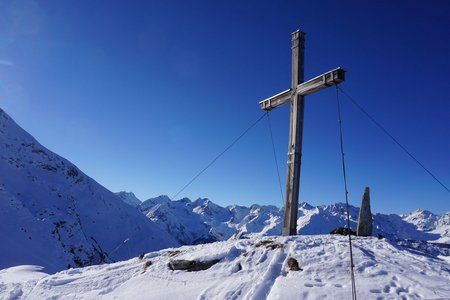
(254, 268)
(53, 215)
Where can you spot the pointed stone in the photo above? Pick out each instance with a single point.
(365, 216)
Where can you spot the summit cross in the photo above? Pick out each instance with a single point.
(296, 97)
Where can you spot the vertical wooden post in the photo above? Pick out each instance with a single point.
(295, 136)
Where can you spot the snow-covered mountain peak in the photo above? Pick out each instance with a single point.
(423, 219)
(201, 202)
(305, 205)
(129, 198)
(208, 209)
(11, 131)
(184, 200)
(162, 199)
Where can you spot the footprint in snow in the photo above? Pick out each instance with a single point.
(313, 285)
(399, 289)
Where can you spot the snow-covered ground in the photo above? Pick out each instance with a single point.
(254, 268)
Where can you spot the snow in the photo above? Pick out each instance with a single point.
(53, 215)
(15, 279)
(250, 269)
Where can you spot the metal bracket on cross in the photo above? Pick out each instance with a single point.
(318, 83)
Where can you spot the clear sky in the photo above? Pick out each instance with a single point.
(141, 95)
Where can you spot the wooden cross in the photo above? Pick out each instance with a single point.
(295, 96)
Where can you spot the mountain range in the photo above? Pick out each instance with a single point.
(199, 221)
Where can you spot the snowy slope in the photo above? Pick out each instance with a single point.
(430, 223)
(53, 215)
(443, 228)
(255, 268)
(191, 222)
(129, 198)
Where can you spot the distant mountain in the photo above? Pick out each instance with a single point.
(129, 198)
(193, 222)
(443, 228)
(53, 215)
(430, 223)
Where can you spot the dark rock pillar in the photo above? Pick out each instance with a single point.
(365, 216)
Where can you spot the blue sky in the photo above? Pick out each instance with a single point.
(141, 95)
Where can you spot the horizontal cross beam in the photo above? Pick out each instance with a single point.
(318, 83)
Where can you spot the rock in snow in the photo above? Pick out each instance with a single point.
(364, 227)
(55, 216)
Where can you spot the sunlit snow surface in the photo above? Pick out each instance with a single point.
(248, 271)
